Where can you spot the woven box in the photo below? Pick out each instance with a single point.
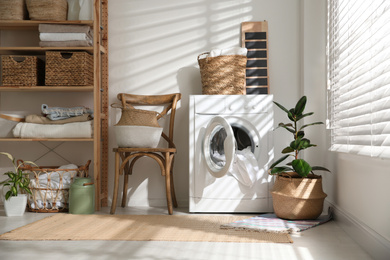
(50, 186)
(22, 70)
(13, 10)
(47, 10)
(69, 68)
(223, 75)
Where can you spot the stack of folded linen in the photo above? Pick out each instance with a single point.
(65, 35)
(57, 122)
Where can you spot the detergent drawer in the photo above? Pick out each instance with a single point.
(232, 104)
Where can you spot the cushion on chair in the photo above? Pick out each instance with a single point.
(137, 136)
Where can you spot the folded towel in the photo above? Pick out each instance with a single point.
(59, 113)
(71, 130)
(37, 119)
(84, 43)
(65, 37)
(229, 51)
(63, 28)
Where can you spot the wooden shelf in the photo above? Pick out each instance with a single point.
(99, 90)
(46, 139)
(47, 88)
(33, 25)
(40, 50)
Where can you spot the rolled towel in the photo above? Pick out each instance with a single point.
(64, 28)
(37, 119)
(228, 51)
(65, 37)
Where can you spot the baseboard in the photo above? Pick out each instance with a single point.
(377, 246)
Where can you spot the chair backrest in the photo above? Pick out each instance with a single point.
(169, 101)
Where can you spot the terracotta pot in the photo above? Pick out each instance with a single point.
(298, 198)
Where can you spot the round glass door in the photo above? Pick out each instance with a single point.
(218, 146)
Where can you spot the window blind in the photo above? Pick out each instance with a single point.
(359, 76)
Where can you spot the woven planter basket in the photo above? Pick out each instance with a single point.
(298, 198)
(50, 196)
(13, 10)
(223, 75)
(69, 68)
(138, 117)
(22, 71)
(47, 10)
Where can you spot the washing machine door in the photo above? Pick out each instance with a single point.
(218, 146)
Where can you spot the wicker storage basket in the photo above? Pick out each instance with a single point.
(298, 198)
(13, 10)
(22, 71)
(48, 10)
(69, 68)
(223, 75)
(50, 187)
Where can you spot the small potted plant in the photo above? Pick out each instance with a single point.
(18, 184)
(297, 192)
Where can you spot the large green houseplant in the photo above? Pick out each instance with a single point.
(18, 185)
(297, 192)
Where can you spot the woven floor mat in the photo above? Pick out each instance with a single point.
(196, 228)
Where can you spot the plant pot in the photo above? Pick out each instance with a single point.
(298, 198)
(15, 205)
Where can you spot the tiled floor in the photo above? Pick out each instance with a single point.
(325, 242)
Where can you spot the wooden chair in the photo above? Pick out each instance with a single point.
(163, 156)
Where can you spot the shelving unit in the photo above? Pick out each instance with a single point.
(99, 90)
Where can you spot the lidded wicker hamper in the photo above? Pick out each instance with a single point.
(69, 68)
(223, 75)
(13, 10)
(50, 186)
(47, 10)
(22, 70)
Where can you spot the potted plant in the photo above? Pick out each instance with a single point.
(297, 192)
(18, 183)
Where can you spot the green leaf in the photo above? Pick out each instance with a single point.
(281, 107)
(301, 167)
(304, 115)
(287, 126)
(14, 191)
(287, 150)
(300, 106)
(300, 134)
(316, 123)
(8, 194)
(319, 168)
(281, 159)
(295, 144)
(304, 143)
(291, 114)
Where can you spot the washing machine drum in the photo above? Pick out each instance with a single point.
(219, 146)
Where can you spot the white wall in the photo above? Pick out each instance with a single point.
(153, 49)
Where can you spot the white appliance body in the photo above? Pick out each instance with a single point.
(220, 125)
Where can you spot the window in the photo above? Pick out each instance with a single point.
(359, 76)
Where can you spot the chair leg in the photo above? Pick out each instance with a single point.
(126, 179)
(125, 186)
(168, 183)
(116, 184)
(172, 185)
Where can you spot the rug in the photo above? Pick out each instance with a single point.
(196, 228)
(271, 223)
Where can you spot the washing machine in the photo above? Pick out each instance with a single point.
(227, 133)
